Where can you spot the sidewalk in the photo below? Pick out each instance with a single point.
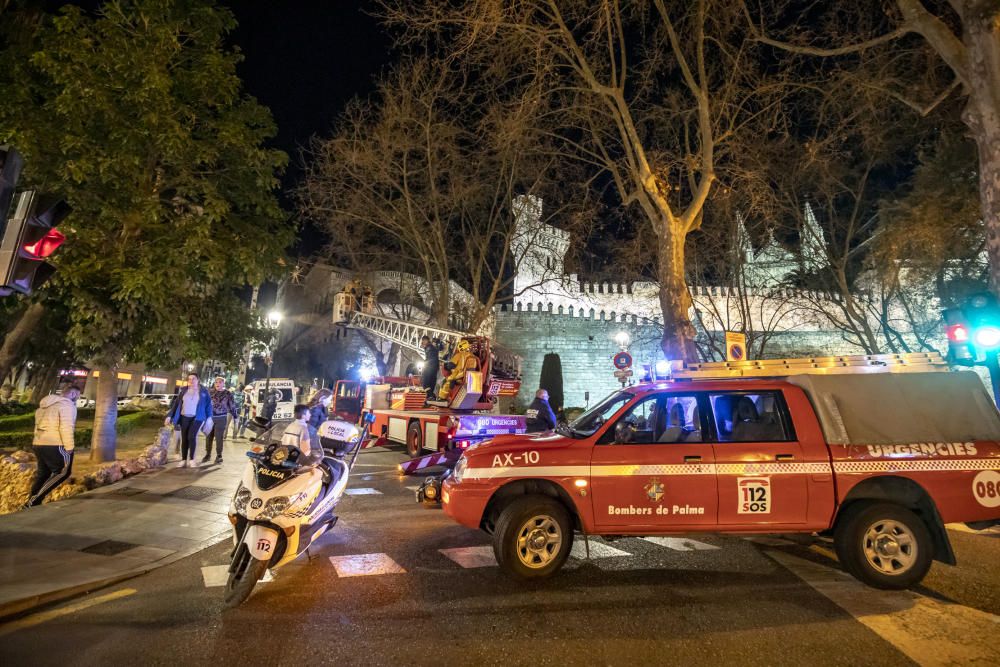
(95, 539)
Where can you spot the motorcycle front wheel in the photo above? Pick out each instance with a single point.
(244, 575)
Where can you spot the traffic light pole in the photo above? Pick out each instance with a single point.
(992, 364)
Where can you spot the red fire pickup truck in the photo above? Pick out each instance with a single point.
(879, 460)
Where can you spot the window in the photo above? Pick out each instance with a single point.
(660, 418)
(750, 417)
(591, 420)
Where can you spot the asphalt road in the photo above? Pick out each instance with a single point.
(710, 600)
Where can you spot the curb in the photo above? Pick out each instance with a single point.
(14, 608)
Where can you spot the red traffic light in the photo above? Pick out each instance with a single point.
(958, 333)
(44, 246)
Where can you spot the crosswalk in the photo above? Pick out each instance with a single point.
(470, 557)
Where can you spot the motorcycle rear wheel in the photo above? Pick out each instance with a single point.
(243, 578)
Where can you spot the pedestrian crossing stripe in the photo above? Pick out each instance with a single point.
(597, 550)
(218, 575)
(681, 543)
(471, 557)
(363, 565)
(363, 491)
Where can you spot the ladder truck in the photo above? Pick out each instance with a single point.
(434, 432)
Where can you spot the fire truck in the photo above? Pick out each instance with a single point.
(878, 451)
(433, 431)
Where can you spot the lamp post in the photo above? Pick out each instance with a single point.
(273, 321)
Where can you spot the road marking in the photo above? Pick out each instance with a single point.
(770, 541)
(597, 550)
(363, 491)
(412, 488)
(362, 565)
(218, 575)
(992, 531)
(470, 557)
(681, 543)
(928, 631)
(42, 617)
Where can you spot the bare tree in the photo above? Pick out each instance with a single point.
(891, 60)
(425, 178)
(647, 95)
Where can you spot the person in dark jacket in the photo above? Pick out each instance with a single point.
(319, 408)
(193, 407)
(540, 415)
(429, 375)
(223, 406)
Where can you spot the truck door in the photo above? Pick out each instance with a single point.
(652, 469)
(762, 476)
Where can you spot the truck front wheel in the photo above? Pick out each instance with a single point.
(533, 537)
(885, 546)
(414, 440)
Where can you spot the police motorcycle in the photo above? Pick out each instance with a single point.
(281, 507)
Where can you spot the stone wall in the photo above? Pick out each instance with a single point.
(585, 348)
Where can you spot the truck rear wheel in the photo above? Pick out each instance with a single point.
(533, 537)
(414, 440)
(885, 546)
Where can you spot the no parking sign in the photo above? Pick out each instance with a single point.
(736, 346)
(622, 360)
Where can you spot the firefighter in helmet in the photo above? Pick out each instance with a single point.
(463, 360)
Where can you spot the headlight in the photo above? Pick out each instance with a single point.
(273, 507)
(241, 499)
(459, 470)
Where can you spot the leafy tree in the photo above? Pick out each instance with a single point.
(135, 114)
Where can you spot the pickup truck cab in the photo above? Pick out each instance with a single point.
(882, 461)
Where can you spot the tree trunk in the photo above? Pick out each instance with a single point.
(45, 382)
(982, 115)
(675, 300)
(105, 438)
(17, 336)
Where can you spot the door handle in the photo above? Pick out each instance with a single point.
(784, 457)
(692, 459)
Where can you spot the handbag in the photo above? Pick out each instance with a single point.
(207, 426)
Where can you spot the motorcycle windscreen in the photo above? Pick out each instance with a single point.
(268, 478)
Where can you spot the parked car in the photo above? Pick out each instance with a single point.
(85, 402)
(139, 399)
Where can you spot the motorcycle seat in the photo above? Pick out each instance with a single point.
(333, 469)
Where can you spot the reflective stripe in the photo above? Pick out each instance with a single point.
(918, 465)
(749, 468)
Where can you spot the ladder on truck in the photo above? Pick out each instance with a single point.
(911, 362)
(408, 334)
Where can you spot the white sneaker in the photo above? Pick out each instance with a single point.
(184, 463)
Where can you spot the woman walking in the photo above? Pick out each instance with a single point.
(193, 407)
(223, 405)
(319, 408)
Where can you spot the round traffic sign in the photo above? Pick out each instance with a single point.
(736, 352)
(622, 360)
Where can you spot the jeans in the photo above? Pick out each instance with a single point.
(189, 436)
(54, 467)
(218, 432)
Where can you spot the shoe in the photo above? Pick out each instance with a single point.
(218, 459)
(206, 458)
(184, 463)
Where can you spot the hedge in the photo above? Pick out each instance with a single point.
(16, 408)
(82, 436)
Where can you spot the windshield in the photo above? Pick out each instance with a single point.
(591, 420)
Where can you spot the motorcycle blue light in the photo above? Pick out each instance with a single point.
(987, 337)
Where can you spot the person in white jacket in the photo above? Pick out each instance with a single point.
(52, 443)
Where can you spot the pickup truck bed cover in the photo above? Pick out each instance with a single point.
(899, 408)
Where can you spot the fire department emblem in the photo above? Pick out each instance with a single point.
(654, 491)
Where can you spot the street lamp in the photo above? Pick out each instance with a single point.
(274, 321)
(623, 339)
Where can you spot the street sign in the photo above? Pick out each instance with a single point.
(736, 346)
(623, 373)
(622, 360)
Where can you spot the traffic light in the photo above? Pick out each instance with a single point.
(11, 163)
(29, 238)
(959, 336)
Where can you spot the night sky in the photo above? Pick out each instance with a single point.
(305, 60)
